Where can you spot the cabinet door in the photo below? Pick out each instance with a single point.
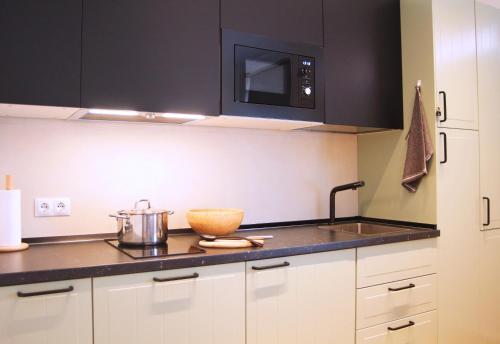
(458, 245)
(302, 299)
(64, 317)
(151, 55)
(188, 306)
(455, 63)
(41, 52)
(289, 20)
(488, 31)
(488, 59)
(363, 82)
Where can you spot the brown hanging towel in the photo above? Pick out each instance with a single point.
(420, 149)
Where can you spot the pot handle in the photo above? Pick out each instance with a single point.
(140, 201)
(125, 217)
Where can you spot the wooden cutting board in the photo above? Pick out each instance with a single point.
(221, 243)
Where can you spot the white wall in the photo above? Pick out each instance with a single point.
(104, 167)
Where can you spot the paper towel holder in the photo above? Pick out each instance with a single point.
(9, 186)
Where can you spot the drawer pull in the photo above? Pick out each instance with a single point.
(282, 265)
(409, 286)
(45, 292)
(410, 323)
(178, 278)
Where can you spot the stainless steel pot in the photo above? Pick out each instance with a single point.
(142, 226)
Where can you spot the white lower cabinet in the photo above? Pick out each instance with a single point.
(47, 313)
(185, 306)
(418, 329)
(302, 299)
(397, 293)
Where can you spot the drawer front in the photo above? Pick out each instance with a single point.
(394, 262)
(396, 300)
(423, 330)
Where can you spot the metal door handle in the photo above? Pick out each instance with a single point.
(445, 148)
(282, 265)
(411, 285)
(45, 292)
(178, 278)
(410, 323)
(488, 213)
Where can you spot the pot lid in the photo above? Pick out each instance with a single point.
(144, 211)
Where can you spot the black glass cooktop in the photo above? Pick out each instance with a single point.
(166, 250)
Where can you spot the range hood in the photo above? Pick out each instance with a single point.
(135, 116)
(67, 113)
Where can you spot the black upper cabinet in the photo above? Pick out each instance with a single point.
(288, 20)
(363, 63)
(40, 52)
(151, 55)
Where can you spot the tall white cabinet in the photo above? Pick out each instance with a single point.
(467, 73)
(488, 59)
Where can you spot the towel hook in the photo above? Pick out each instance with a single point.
(419, 85)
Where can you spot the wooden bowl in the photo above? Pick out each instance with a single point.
(215, 221)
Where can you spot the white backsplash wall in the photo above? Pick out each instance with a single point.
(103, 167)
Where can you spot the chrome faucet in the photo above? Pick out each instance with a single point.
(352, 186)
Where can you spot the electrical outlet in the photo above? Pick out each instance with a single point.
(62, 207)
(44, 207)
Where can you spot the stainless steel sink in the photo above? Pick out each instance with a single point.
(366, 228)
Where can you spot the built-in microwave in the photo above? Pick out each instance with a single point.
(263, 77)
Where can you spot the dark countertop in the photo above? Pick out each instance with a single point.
(63, 261)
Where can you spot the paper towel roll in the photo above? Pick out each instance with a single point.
(10, 217)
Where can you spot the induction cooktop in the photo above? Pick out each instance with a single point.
(164, 250)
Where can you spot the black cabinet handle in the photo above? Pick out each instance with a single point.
(488, 211)
(445, 148)
(282, 265)
(409, 286)
(410, 323)
(445, 108)
(46, 292)
(178, 278)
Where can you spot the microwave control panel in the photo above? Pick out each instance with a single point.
(306, 82)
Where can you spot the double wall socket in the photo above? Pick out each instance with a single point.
(45, 207)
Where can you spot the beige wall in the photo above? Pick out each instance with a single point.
(381, 155)
(103, 167)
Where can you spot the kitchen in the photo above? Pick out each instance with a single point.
(261, 112)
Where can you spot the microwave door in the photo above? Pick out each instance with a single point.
(264, 77)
